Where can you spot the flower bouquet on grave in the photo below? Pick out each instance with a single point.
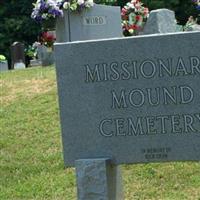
(47, 39)
(46, 12)
(75, 5)
(190, 23)
(197, 3)
(134, 16)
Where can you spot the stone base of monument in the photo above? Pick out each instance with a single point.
(3, 66)
(35, 63)
(98, 179)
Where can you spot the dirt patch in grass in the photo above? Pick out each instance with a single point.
(13, 89)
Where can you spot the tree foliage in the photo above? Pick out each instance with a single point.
(183, 8)
(16, 24)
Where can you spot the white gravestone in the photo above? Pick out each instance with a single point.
(19, 65)
(160, 21)
(97, 22)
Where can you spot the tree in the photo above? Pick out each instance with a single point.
(16, 24)
(182, 8)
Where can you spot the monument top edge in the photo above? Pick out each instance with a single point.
(129, 38)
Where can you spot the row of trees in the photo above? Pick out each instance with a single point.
(16, 24)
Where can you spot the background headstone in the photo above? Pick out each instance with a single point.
(4, 66)
(95, 23)
(19, 65)
(17, 53)
(45, 55)
(160, 21)
(35, 63)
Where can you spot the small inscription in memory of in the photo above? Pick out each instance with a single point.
(156, 153)
(94, 20)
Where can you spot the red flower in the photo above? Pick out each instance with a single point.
(138, 17)
(48, 39)
(134, 27)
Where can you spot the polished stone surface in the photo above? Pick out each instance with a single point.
(96, 23)
(132, 100)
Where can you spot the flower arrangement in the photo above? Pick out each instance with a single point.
(31, 50)
(134, 16)
(2, 59)
(190, 23)
(47, 39)
(51, 9)
(75, 5)
(45, 10)
(197, 2)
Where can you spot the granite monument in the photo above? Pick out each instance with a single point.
(133, 100)
(99, 22)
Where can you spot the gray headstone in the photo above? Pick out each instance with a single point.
(17, 53)
(3, 66)
(133, 100)
(45, 55)
(95, 23)
(98, 179)
(160, 21)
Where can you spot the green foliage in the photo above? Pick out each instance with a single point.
(16, 24)
(183, 8)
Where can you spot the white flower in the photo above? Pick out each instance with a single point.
(131, 5)
(80, 2)
(44, 16)
(131, 31)
(36, 44)
(66, 5)
(89, 3)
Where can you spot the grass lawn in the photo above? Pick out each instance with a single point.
(31, 161)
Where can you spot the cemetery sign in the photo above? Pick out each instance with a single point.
(132, 100)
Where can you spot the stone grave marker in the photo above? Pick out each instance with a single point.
(129, 100)
(160, 21)
(17, 54)
(45, 56)
(35, 63)
(96, 23)
(3, 66)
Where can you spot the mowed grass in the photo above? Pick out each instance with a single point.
(31, 161)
